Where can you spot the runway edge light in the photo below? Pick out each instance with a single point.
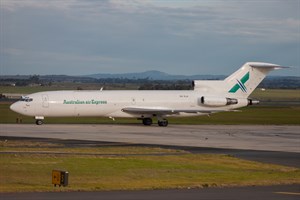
(60, 178)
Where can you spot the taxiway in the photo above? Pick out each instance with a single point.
(245, 137)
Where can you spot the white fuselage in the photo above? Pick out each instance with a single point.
(111, 103)
(208, 96)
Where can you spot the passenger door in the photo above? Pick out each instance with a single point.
(45, 99)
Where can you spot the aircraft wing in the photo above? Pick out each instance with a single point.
(164, 111)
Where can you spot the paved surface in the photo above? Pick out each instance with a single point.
(243, 193)
(273, 157)
(274, 144)
(248, 137)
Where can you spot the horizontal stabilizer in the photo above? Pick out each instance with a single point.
(266, 65)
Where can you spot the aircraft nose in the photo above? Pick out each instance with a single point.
(14, 107)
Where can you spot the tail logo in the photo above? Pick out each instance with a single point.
(240, 84)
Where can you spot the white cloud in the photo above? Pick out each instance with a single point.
(182, 18)
(143, 33)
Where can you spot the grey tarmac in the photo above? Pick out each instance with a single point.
(283, 192)
(245, 137)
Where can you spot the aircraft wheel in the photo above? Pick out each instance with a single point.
(163, 123)
(147, 121)
(39, 122)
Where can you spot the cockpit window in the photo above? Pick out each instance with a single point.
(26, 99)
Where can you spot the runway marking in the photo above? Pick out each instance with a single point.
(289, 193)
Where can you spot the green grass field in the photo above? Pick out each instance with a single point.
(276, 95)
(32, 172)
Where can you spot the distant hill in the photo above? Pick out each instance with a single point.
(155, 75)
(53, 78)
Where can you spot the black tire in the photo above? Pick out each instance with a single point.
(39, 122)
(163, 123)
(147, 121)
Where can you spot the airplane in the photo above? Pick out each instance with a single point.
(207, 97)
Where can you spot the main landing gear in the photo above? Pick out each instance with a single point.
(163, 122)
(148, 122)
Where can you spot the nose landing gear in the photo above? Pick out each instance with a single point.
(39, 120)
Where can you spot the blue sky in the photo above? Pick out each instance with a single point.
(79, 37)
